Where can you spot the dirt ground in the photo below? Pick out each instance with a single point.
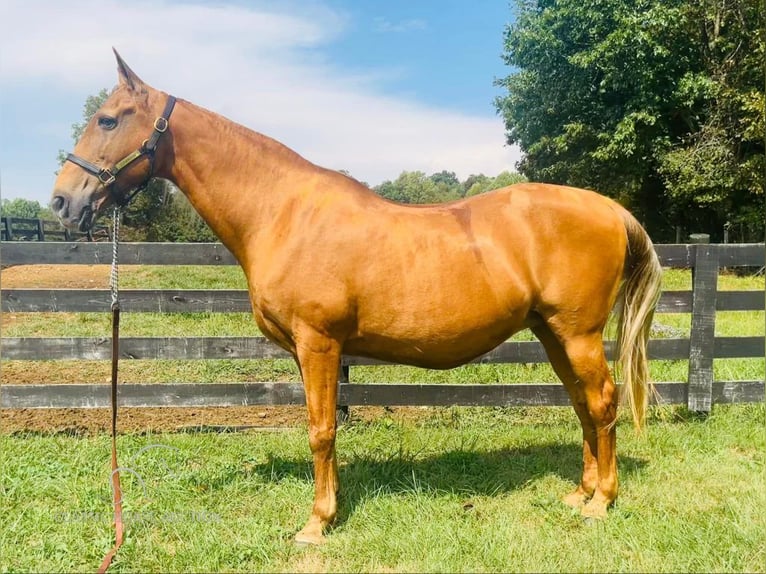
(130, 420)
(210, 419)
(55, 276)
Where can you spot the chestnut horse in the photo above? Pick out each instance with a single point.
(333, 268)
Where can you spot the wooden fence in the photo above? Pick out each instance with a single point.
(27, 229)
(699, 391)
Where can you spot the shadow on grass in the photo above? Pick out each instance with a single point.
(465, 473)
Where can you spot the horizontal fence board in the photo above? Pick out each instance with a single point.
(131, 300)
(671, 255)
(238, 301)
(676, 255)
(373, 394)
(24, 220)
(739, 347)
(180, 348)
(130, 253)
(741, 254)
(675, 302)
(740, 301)
(194, 348)
(730, 392)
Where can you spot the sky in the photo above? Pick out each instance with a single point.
(371, 87)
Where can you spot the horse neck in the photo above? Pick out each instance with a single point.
(235, 178)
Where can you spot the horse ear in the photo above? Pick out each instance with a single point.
(127, 76)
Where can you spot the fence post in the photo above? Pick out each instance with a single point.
(8, 224)
(702, 338)
(40, 230)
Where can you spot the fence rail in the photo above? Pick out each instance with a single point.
(34, 229)
(699, 392)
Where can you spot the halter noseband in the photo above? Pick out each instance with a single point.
(107, 176)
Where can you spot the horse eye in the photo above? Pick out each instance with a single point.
(107, 123)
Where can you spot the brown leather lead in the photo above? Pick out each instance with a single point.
(116, 489)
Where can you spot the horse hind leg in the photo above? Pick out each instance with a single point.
(560, 362)
(581, 365)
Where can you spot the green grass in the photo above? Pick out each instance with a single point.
(182, 277)
(462, 489)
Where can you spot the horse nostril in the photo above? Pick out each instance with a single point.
(58, 203)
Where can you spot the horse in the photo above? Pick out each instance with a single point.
(334, 268)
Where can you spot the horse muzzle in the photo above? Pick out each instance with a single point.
(77, 214)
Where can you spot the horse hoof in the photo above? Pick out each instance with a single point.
(308, 537)
(594, 511)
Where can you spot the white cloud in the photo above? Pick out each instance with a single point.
(259, 65)
(384, 25)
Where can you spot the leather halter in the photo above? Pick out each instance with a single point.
(108, 176)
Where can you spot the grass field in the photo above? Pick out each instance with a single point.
(457, 490)
(447, 489)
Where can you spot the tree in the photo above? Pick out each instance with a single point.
(447, 184)
(23, 208)
(471, 180)
(178, 221)
(719, 170)
(635, 97)
(503, 179)
(416, 187)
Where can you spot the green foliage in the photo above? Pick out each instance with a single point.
(162, 213)
(658, 103)
(178, 221)
(504, 179)
(23, 208)
(416, 187)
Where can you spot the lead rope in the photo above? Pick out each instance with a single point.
(116, 489)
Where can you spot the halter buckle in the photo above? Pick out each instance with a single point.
(106, 177)
(161, 124)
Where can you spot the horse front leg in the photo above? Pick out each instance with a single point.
(319, 358)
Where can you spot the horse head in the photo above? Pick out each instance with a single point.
(114, 157)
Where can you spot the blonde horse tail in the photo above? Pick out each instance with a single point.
(637, 301)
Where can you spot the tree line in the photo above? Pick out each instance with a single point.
(658, 103)
(162, 212)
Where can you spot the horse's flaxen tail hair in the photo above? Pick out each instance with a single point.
(637, 300)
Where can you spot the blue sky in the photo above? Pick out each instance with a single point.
(371, 87)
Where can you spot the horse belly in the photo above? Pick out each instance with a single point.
(438, 331)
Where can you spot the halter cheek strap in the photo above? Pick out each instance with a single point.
(107, 176)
